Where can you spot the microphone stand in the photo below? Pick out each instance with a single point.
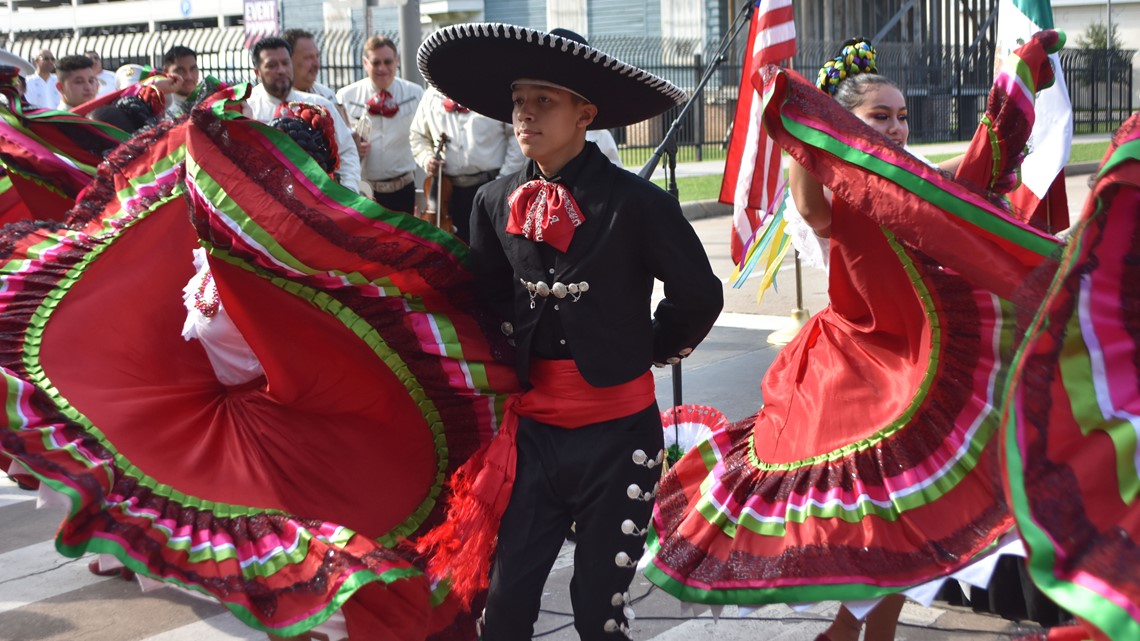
(668, 148)
(742, 18)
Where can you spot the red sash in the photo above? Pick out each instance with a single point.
(462, 546)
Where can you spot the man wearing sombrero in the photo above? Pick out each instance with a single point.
(566, 253)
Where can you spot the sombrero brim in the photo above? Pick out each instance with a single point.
(623, 93)
(9, 59)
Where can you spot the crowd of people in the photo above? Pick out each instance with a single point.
(300, 314)
(390, 132)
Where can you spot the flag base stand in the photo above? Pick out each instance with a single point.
(785, 335)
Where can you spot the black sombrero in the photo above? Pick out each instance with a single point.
(623, 93)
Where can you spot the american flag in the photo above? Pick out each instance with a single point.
(752, 169)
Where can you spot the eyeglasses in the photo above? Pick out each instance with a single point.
(48, 58)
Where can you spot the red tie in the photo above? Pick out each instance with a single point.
(450, 106)
(544, 212)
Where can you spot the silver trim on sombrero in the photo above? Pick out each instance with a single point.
(492, 30)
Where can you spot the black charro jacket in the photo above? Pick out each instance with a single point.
(633, 233)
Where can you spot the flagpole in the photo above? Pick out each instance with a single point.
(800, 316)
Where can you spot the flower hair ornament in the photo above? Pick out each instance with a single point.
(311, 127)
(855, 57)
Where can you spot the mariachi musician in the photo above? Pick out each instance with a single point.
(381, 107)
(478, 151)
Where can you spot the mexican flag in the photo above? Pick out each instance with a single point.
(1041, 196)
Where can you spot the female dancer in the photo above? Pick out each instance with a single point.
(284, 495)
(869, 469)
(1069, 446)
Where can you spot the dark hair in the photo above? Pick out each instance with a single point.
(176, 52)
(267, 44)
(112, 115)
(67, 64)
(307, 138)
(293, 35)
(850, 92)
(129, 113)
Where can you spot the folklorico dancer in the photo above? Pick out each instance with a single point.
(565, 252)
(336, 379)
(872, 467)
(1070, 417)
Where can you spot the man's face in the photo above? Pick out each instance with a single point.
(186, 68)
(80, 86)
(549, 123)
(306, 63)
(45, 62)
(380, 64)
(275, 70)
(97, 59)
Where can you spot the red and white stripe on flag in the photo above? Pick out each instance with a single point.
(752, 168)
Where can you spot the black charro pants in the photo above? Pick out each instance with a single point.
(583, 476)
(402, 200)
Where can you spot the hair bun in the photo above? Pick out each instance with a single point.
(311, 127)
(137, 111)
(856, 56)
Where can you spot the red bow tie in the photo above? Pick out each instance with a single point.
(451, 106)
(544, 212)
(383, 104)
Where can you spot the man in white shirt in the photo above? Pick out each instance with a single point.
(605, 141)
(106, 79)
(382, 107)
(478, 151)
(41, 90)
(182, 62)
(76, 81)
(273, 66)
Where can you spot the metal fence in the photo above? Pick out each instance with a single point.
(945, 87)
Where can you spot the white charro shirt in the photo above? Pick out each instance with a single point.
(391, 153)
(42, 93)
(107, 83)
(476, 143)
(263, 106)
(605, 141)
(322, 91)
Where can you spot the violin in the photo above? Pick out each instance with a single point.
(437, 192)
